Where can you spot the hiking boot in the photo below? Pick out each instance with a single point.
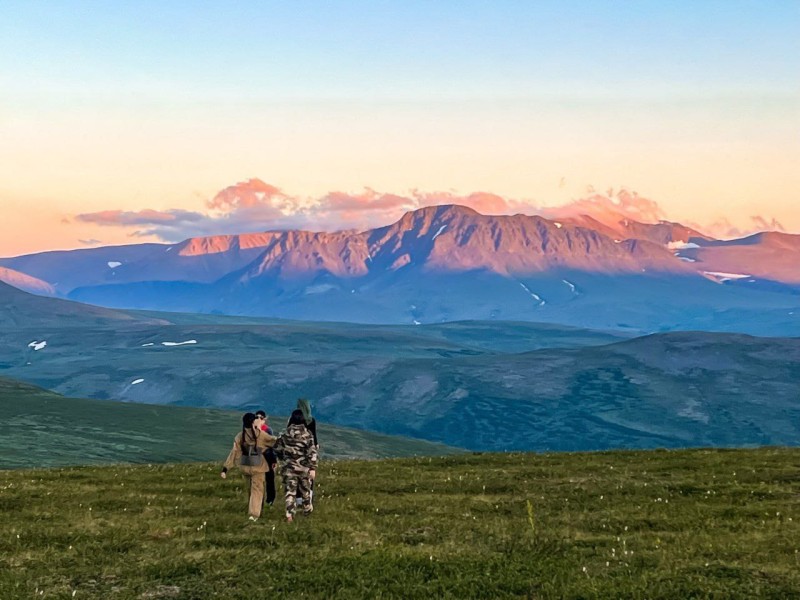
(252, 518)
(308, 510)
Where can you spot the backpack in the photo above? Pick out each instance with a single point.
(251, 457)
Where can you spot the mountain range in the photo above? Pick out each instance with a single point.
(447, 263)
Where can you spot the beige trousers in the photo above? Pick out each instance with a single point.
(255, 484)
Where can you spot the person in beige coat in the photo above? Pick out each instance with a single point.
(248, 454)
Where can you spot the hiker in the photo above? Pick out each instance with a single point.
(272, 460)
(298, 454)
(311, 424)
(248, 453)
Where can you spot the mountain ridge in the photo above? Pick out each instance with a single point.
(450, 262)
(22, 309)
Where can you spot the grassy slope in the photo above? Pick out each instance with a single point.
(40, 428)
(677, 524)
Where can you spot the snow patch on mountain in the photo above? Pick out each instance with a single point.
(533, 295)
(723, 277)
(37, 345)
(319, 289)
(137, 381)
(178, 343)
(113, 264)
(682, 245)
(692, 411)
(571, 286)
(438, 233)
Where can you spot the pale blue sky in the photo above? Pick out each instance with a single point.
(412, 50)
(157, 104)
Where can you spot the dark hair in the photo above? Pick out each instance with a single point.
(261, 414)
(247, 424)
(297, 418)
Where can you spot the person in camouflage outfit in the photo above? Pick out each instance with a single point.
(298, 454)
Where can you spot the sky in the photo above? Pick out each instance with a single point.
(154, 121)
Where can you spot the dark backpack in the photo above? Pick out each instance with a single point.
(251, 456)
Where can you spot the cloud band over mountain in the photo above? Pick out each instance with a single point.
(254, 205)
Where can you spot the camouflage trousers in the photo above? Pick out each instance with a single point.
(297, 485)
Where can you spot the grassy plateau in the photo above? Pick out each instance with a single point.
(623, 524)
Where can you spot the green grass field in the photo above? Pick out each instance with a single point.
(646, 524)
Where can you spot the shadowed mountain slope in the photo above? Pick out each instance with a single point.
(41, 429)
(21, 309)
(666, 390)
(67, 269)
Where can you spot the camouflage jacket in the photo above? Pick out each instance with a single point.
(296, 450)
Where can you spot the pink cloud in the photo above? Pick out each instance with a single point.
(769, 224)
(253, 205)
(724, 229)
(483, 202)
(608, 208)
(251, 194)
(369, 200)
(342, 210)
(369, 209)
(141, 217)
